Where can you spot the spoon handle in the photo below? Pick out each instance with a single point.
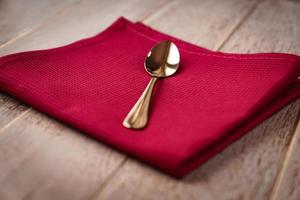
(137, 118)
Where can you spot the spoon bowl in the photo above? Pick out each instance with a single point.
(163, 59)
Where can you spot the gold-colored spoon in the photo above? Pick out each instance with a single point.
(162, 61)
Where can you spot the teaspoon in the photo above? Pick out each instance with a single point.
(162, 61)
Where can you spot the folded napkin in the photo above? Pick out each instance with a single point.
(213, 100)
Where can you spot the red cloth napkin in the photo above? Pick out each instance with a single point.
(213, 100)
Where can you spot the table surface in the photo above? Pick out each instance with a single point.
(41, 158)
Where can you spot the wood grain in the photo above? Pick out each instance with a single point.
(278, 30)
(43, 159)
(205, 23)
(85, 19)
(273, 27)
(248, 168)
(288, 181)
(9, 110)
(18, 17)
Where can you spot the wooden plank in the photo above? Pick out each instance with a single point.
(248, 168)
(274, 27)
(206, 23)
(242, 171)
(83, 20)
(280, 25)
(9, 110)
(41, 158)
(288, 181)
(18, 17)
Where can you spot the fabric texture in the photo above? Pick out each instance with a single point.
(214, 98)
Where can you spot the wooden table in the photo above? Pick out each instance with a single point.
(41, 158)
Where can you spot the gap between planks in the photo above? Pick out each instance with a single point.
(107, 180)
